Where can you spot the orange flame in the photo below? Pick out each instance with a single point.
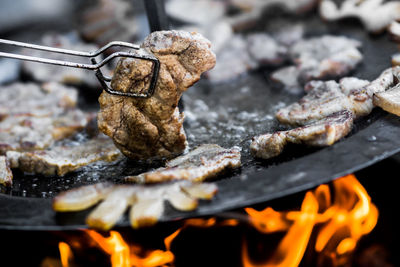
(347, 219)
(65, 254)
(203, 223)
(343, 218)
(122, 255)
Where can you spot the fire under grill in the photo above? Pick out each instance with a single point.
(356, 229)
(287, 211)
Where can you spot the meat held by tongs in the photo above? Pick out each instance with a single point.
(139, 103)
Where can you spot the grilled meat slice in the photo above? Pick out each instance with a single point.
(25, 133)
(205, 161)
(147, 202)
(375, 15)
(324, 132)
(81, 198)
(5, 172)
(324, 98)
(152, 128)
(327, 111)
(59, 160)
(321, 100)
(30, 99)
(33, 117)
(322, 57)
(28, 133)
(389, 100)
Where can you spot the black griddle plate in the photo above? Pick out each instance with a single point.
(232, 113)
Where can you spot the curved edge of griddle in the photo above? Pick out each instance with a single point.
(376, 142)
(366, 147)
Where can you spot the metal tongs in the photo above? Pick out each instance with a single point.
(136, 52)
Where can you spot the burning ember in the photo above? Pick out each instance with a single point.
(331, 221)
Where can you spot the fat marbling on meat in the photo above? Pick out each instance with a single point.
(146, 203)
(35, 123)
(389, 100)
(33, 117)
(324, 98)
(62, 159)
(321, 100)
(326, 113)
(152, 127)
(204, 162)
(324, 132)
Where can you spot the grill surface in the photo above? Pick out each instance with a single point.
(230, 114)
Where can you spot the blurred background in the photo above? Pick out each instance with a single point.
(71, 24)
(77, 25)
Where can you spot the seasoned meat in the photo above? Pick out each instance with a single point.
(327, 111)
(59, 159)
(152, 127)
(321, 100)
(320, 58)
(28, 133)
(66, 75)
(324, 98)
(34, 100)
(375, 15)
(389, 100)
(33, 117)
(5, 172)
(198, 165)
(147, 202)
(324, 132)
